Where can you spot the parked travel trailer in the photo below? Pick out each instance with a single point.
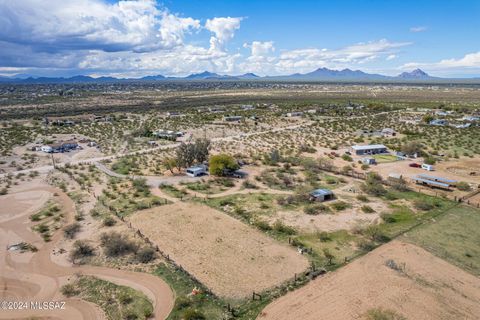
(427, 167)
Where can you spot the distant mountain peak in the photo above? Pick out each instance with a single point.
(414, 74)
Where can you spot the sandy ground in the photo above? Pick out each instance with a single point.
(447, 169)
(226, 255)
(429, 288)
(34, 277)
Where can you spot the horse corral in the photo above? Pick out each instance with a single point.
(227, 256)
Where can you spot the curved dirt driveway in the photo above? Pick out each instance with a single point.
(39, 279)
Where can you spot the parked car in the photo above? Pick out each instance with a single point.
(414, 165)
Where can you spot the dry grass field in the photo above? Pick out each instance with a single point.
(226, 255)
(416, 285)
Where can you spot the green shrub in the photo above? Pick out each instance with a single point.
(367, 209)
(192, 314)
(145, 255)
(71, 230)
(463, 186)
(339, 205)
(280, 227)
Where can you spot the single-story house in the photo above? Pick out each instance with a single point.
(438, 122)
(369, 149)
(196, 171)
(174, 114)
(295, 114)
(60, 147)
(321, 195)
(232, 118)
(247, 107)
(388, 132)
(166, 134)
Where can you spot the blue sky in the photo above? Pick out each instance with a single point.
(136, 38)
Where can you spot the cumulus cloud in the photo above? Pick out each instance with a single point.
(56, 25)
(223, 30)
(260, 49)
(468, 63)
(306, 59)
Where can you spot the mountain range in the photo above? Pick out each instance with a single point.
(321, 74)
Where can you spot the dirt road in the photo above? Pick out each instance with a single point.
(34, 277)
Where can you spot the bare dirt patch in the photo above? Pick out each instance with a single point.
(226, 255)
(424, 287)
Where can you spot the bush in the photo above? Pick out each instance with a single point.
(340, 205)
(362, 198)
(324, 236)
(346, 157)
(109, 221)
(367, 209)
(316, 209)
(116, 244)
(382, 314)
(423, 205)
(280, 227)
(463, 186)
(81, 249)
(373, 185)
(192, 314)
(145, 255)
(220, 163)
(375, 234)
(71, 230)
(262, 225)
(388, 218)
(69, 290)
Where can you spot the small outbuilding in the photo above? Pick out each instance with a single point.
(368, 160)
(321, 195)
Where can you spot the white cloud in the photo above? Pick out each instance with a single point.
(57, 25)
(303, 60)
(470, 63)
(223, 29)
(418, 29)
(260, 49)
(391, 57)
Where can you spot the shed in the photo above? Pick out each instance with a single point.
(431, 183)
(368, 160)
(321, 195)
(438, 179)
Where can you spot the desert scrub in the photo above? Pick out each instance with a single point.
(118, 302)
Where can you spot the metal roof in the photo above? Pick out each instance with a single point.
(435, 183)
(369, 147)
(428, 177)
(321, 192)
(196, 168)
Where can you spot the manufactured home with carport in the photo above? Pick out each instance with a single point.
(369, 149)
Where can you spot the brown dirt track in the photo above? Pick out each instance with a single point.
(229, 257)
(430, 288)
(34, 277)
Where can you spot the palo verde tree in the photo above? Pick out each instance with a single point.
(221, 163)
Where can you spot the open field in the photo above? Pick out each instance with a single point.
(454, 237)
(230, 258)
(416, 285)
